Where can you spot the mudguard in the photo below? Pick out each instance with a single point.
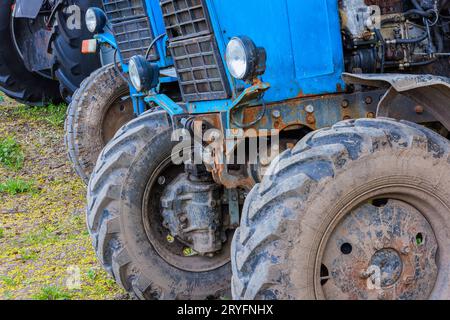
(27, 8)
(429, 91)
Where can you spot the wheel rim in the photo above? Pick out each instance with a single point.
(383, 248)
(173, 251)
(117, 114)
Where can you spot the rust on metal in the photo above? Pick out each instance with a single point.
(385, 249)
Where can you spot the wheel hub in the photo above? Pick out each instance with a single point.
(381, 250)
(390, 264)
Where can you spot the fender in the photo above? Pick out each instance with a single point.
(27, 8)
(431, 92)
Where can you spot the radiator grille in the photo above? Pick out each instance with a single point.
(194, 49)
(131, 27)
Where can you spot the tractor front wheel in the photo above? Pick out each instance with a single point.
(100, 107)
(357, 211)
(126, 224)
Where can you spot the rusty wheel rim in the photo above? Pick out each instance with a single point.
(157, 234)
(381, 249)
(117, 114)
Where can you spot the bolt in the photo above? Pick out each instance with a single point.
(170, 238)
(366, 275)
(370, 115)
(409, 280)
(162, 180)
(276, 113)
(419, 109)
(368, 100)
(405, 250)
(189, 252)
(183, 219)
(309, 108)
(345, 103)
(346, 118)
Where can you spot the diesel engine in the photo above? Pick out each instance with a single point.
(392, 35)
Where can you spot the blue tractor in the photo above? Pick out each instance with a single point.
(280, 150)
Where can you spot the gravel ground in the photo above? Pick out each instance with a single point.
(45, 250)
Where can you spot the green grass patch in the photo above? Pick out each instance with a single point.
(11, 153)
(2, 233)
(17, 186)
(44, 235)
(8, 281)
(53, 114)
(27, 255)
(52, 293)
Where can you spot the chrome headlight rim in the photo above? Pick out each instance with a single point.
(143, 74)
(253, 59)
(95, 20)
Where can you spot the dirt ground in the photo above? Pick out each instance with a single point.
(45, 250)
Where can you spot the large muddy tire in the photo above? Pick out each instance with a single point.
(357, 211)
(130, 241)
(99, 108)
(72, 66)
(15, 80)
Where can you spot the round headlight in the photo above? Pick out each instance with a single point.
(95, 20)
(244, 60)
(143, 74)
(236, 58)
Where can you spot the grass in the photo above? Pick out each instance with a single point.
(53, 114)
(11, 153)
(17, 186)
(8, 281)
(52, 293)
(46, 233)
(2, 233)
(27, 255)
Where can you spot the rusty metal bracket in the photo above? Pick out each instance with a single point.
(431, 92)
(248, 96)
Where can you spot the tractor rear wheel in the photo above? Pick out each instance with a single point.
(357, 211)
(126, 225)
(15, 80)
(72, 66)
(99, 108)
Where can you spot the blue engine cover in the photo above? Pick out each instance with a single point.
(302, 39)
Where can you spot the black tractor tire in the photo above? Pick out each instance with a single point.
(15, 80)
(116, 224)
(99, 108)
(288, 217)
(71, 65)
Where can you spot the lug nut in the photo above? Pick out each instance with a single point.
(405, 250)
(309, 108)
(276, 113)
(170, 238)
(366, 275)
(345, 103)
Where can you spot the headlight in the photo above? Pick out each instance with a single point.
(144, 75)
(95, 20)
(244, 60)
